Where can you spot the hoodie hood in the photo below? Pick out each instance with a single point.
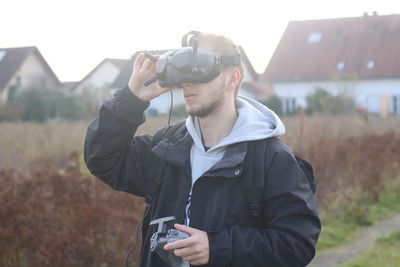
(255, 121)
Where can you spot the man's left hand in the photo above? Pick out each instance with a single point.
(194, 249)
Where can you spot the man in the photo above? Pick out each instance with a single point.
(196, 170)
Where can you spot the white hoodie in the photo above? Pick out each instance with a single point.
(255, 121)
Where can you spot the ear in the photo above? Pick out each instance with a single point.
(234, 79)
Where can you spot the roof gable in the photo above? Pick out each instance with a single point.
(247, 64)
(361, 47)
(119, 63)
(12, 60)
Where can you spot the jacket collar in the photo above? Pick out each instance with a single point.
(231, 164)
(175, 149)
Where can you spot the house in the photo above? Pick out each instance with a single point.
(160, 105)
(250, 86)
(24, 68)
(358, 56)
(96, 84)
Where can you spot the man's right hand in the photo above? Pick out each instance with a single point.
(143, 70)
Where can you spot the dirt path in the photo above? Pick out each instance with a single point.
(364, 241)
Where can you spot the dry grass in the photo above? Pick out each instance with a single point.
(26, 143)
(303, 132)
(23, 144)
(53, 218)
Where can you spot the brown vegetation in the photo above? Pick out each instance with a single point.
(65, 217)
(53, 218)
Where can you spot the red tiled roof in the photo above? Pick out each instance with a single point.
(354, 41)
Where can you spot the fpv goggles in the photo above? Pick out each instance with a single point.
(189, 64)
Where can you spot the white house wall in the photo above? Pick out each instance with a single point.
(366, 93)
(32, 74)
(103, 76)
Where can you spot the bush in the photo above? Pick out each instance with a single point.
(323, 102)
(274, 103)
(65, 218)
(35, 104)
(40, 105)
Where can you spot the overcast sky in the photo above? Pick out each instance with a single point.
(74, 36)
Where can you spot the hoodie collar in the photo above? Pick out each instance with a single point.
(255, 122)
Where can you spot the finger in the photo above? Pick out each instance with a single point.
(138, 61)
(162, 90)
(191, 258)
(185, 228)
(147, 64)
(183, 252)
(179, 244)
(196, 262)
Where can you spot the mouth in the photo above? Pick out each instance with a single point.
(189, 96)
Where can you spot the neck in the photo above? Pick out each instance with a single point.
(216, 126)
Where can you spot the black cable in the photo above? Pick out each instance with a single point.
(137, 238)
(162, 173)
(170, 111)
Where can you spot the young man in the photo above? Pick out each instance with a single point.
(197, 170)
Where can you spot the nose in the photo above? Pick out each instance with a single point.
(187, 85)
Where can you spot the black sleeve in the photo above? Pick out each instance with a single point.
(291, 223)
(111, 153)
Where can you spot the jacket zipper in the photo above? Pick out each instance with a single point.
(210, 223)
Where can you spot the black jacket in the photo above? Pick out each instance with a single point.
(290, 220)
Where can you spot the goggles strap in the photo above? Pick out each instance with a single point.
(186, 40)
(230, 60)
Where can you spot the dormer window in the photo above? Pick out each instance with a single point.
(340, 65)
(371, 64)
(314, 37)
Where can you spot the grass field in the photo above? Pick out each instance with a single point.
(385, 253)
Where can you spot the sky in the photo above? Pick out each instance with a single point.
(74, 36)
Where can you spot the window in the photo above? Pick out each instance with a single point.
(18, 80)
(395, 105)
(371, 64)
(2, 54)
(289, 105)
(314, 37)
(340, 65)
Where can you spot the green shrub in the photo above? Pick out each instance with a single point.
(274, 103)
(40, 105)
(323, 102)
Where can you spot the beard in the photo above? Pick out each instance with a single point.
(217, 100)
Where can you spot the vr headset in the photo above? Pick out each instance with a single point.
(189, 64)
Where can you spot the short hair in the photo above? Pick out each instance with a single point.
(223, 46)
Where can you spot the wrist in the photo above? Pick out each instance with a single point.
(136, 92)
